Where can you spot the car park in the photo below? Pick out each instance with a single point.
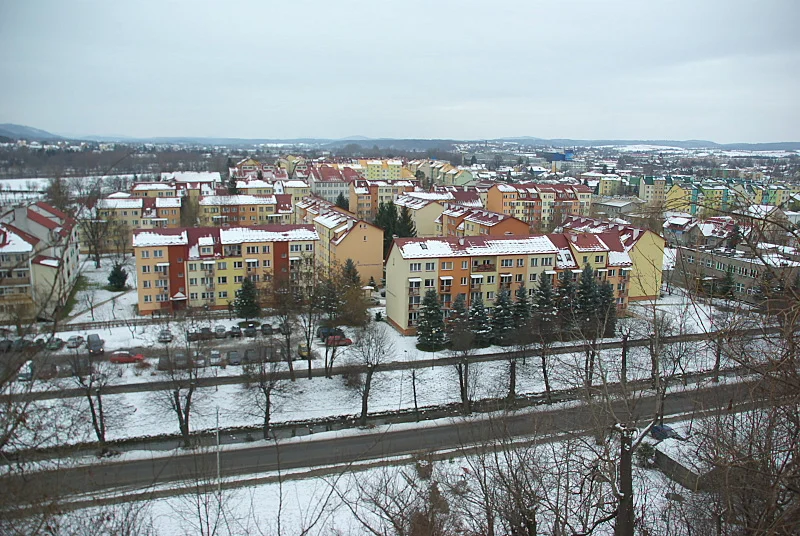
(165, 336)
(74, 342)
(220, 332)
(338, 340)
(54, 344)
(250, 330)
(235, 331)
(47, 371)
(95, 344)
(215, 359)
(234, 358)
(122, 357)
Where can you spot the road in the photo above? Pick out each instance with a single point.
(141, 474)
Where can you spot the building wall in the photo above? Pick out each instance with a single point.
(647, 256)
(364, 245)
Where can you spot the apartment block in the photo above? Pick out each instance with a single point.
(245, 210)
(367, 195)
(458, 220)
(539, 205)
(424, 208)
(328, 182)
(39, 262)
(204, 267)
(485, 265)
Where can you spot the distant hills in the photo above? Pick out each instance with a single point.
(12, 131)
(17, 132)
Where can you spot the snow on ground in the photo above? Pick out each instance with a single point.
(95, 303)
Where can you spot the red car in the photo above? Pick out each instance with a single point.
(338, 340)
(126, 357)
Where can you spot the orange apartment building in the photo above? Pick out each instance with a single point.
(366, 195)
(541, 206)
(457, 220)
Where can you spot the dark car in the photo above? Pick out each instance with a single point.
(250, 330)
(95, 344)
(165, 336)
(663, 431)
(54, 344)
(234, 358)
(236, 331)
(180, 360)
(323, 332)
(206, 334)
(192, 335)
(266, 329)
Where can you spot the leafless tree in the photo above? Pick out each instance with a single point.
(262, 385)
(462, 348)
(372, 347)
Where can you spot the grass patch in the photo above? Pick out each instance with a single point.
(80, 284)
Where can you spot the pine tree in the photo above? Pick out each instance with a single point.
(607, 309)
(565, 302)
(521, 308)
(350, 275)
(342, 201)
(544, 307)
(459, 315)
(117, 278)
(405, 225)
(502, 318)
(586, 299)
(430, 327)
(480, 325)
(246, 302)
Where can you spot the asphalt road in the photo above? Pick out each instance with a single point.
(141, 474)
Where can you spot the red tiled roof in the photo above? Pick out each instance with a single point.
(44, 221)
(52, 210)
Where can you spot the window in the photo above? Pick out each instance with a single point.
(490, 295)
(598, 258)
(520, 263)
(264, 249)
(547, 261)
(222, 266)
(158, 253)
(413, 284)
(222, 280)
(148, 298)
(612, 273)
(690, 259)
(238, 278)
(252, 249)
(463, 280)
(145, 269)
(490, 279)
(585, 259)
(310, 247)
(518, 278)
(739, 287)
(507, 263)
(145, 254)
(430, 266)
(532, 277)
(464, 265)
(416, 267)
(192, 267)
(447, 266)
(223, 294)
(534, 263)
(147, 284)
(621, 286)
(295, 248)
(161, 283)
(429, 283)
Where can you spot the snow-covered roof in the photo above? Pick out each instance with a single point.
(144, 186)
(239, 235)
(168, 202)
(419, 248)
(152, 239)
(192, 176)
(14, 241)
(241, 199)
(120, 203)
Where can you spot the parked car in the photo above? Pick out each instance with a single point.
(206, 334)
(20, 345)
(26, 371)
(95, 344)
(250, 330)
(54, 344)
(235, 331)
(39, 343)
(165, 336)
(74, 342)
(180, 360)
(338, 340)
(251, 355)
(302, 350)
(234, 358)
(324, 332)
(48, 371)
(192, 335)
(199, 360)
(664, 431)
(215, 358)
(122, 357)
(266, 329)
(220, 332)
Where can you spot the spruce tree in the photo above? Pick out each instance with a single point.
(565, 303)
(480, 325)
(521, 308)
(405, 225)
(586, 299)
(726, 286)
(459, 315)
(246, 302)
(342, 201)
(117, 278)
(350, 276)
(502, 318)
(544, 307)
(430, 326)
(607, 309)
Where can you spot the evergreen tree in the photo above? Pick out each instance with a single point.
(521, 308)
(405, 225)
(386, 219)
(246, 303)
(607, 309)
(118, 277)
(502, 318)
(480, 325)
(342, 201)
(330, 302)
(473, 160)
(726, 286)
(430, 327)
(350, 275)
(586, 300)
(459, 315)
(565, 303)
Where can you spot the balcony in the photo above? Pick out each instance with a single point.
(476, 286)
(413, 291)
(484, 268)
(445, 289)
(505, 285)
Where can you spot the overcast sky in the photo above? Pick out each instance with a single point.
(723, 70)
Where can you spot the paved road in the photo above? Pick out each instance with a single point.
(139, 474)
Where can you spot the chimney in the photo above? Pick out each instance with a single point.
(574, 238)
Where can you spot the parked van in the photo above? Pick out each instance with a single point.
(95, 344)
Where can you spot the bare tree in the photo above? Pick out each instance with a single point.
(371, 349)
(180, 397)
(262, 384)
